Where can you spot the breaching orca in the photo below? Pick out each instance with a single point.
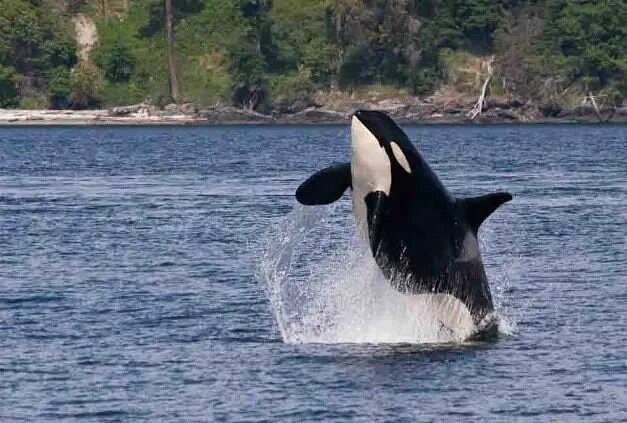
(422, 238)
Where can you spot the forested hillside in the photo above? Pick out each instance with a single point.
(281, 55)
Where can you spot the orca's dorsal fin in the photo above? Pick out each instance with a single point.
(477, 209)
(325, 186)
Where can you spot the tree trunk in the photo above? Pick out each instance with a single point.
(595, 106)
(174, 84)
(105, 9)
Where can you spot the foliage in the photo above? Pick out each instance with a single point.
(59, 87)
(117, 60)
(299, 36)
(115, 94)
(275, 54)
(225, 68)
(8, 87)
(292, 92)
(586, 41)
(460, 69)
(155, 22)
(34, 39)
(134, 67)
(84, 86)
(36, 47)
(247, 70)
(34, 101)
(517, 61)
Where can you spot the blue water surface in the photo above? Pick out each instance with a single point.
(128, 288)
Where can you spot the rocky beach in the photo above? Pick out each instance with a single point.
(414, 111)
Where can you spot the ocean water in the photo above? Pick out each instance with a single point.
(167, 274)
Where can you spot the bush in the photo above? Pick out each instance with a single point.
(84, 85)
(116, 60)
(76, 6)
(247, 69)
(8, 87)
(423, 81)
(34, 101)
(299, 37)
(121, 94)
(59, 87)
(206, 79)
(61, 52)
(356, 68)
(461, 70)
(293, 92)
(518, 66)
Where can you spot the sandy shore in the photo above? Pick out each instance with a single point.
(90, 117)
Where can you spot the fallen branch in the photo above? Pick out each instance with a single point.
(594, 104)
(478, 108)
(597, 110)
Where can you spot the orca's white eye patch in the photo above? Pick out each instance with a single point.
(400, 157)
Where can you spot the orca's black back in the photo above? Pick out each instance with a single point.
(422, 238)
(420, 248)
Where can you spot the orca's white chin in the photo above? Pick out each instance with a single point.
(370, 169)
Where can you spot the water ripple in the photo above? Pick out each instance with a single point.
(130, 291)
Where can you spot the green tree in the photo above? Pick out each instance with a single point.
(586, 40)
(247, 68)
(117, 60)
(84, 82)
(522, 69)
(8, 87)
(299, 34)
(59, 87)
(156, 19)
(262, 53)
(34, 40)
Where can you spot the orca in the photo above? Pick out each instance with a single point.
(422, 238)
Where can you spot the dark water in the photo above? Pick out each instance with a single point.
(128, 288)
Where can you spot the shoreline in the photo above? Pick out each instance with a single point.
(144, 115)
(205, 122)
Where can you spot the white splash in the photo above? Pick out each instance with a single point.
(324, 287)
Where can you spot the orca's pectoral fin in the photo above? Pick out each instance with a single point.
(325, 186)
(375, 204)
(477, 209)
